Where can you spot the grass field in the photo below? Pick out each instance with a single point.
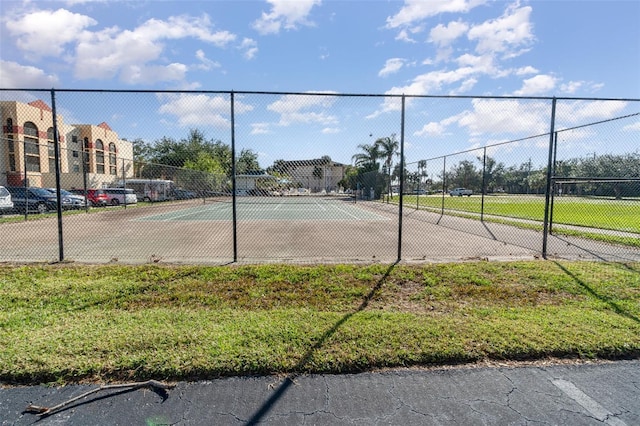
(69, 323)
(618, 215)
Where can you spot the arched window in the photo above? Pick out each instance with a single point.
(99, 156)
(113, 166)
(31, 147)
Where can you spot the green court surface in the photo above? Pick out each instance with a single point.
(274, 210)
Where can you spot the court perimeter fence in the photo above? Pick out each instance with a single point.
(231, 176)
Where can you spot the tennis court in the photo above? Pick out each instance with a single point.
(282, 229)
(276, 209)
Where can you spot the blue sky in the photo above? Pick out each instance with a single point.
(546, 48)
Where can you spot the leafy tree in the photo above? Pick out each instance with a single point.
(325, 159)
(204, 174)
(493, 173)
(247, 162)
(350, 179)
(610, 166)
(537, 180)
(465, 174)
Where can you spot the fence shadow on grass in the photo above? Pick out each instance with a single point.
(589, 289)
(289, 380)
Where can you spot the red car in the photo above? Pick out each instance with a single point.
(97, 197)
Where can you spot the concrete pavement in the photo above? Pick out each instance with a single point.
(567, 394)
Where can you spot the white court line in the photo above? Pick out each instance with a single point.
(347, 213)
(596, 410)
(322, 207)
(200, 211)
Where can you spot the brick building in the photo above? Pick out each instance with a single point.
(27, 149)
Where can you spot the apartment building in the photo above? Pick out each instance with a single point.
(27, 153)
(322, 174)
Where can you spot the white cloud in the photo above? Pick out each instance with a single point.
(285, 14)
(445, 35)
(526, 70)
(392, 66)
(105, 54)
(178, 27)
(585, 86)
(260, 128)
(479, 63)
(571, 87)
(15, 76)
(581, 112)
(423, 84)
(206, 63)
(46, 32)
(300, 109)
(537, 85)
(114, 52)
(506, 116)
(417, 10)
(404, 36)
(201, 109)
(508, 34)
(465, 87)
(635, 127)
(330, 130)
(250, 48)
(433, 81)
(431, 129)
(135, 74)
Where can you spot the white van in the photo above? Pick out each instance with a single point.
(6, 205)
(118, 196)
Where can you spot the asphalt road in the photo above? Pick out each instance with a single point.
(568, 394)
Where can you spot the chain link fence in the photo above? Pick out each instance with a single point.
(217, 177)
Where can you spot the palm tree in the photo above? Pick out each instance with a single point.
(422, 165)
(368, 158)
(388, 147)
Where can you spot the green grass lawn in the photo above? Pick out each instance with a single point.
(619, 215)
(67, 323)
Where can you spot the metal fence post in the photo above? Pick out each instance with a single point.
(233, 180)
(401, 181)
(124, 183)
(56, 155)
(484, 182)
(85, 163)
(548, 191)
(444, 182)
(26, 179)
(553, 183)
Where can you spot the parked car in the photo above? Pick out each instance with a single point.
(117, 196)
(68, 200)
(96, 197)
(460, 192)
(32, 199)
(183, 194)
(6, 204)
